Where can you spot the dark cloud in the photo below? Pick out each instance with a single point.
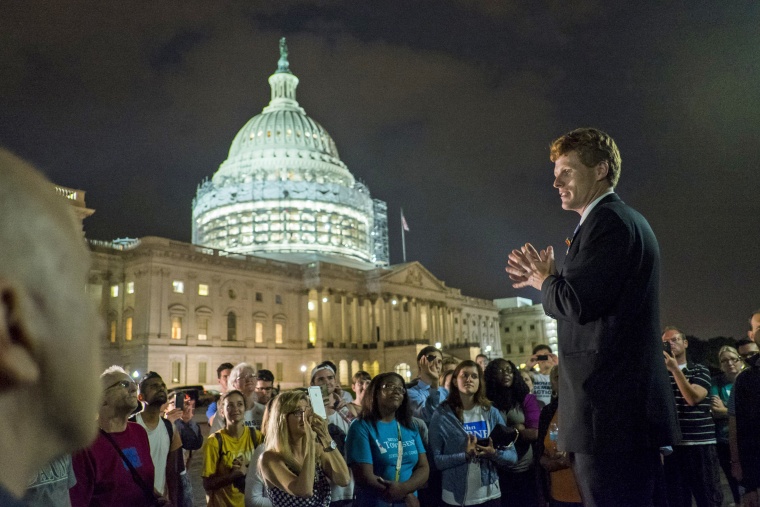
(445, 108)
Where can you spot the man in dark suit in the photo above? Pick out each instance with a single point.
(616, 406)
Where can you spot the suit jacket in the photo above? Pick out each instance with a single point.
(615, 390)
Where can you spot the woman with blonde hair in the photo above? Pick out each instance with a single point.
(300, 455)
(731, 365)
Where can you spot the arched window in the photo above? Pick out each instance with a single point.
(231, 327)
(404, 370)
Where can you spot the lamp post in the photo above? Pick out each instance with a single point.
(303, 374)
(488, 352)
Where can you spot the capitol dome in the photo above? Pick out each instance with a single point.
(284, 189)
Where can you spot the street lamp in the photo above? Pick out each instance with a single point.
(488, 352)
(438, 345)
(303, 374)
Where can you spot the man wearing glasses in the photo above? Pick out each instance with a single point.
(424, 392)
(692, 468)
(103, 477)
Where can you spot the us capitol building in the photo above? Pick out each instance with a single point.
(288, 266)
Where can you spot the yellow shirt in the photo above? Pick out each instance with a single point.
(232, 448)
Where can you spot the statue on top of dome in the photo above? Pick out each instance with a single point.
(282, 64)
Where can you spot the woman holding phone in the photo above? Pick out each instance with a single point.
(300, 456)
(384, 447)
(460, 441)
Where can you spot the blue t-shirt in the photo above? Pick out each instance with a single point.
(377, 444)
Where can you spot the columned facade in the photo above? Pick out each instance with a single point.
(181, 310)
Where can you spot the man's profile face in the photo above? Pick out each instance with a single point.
(576, 182)
(678, 344)
(119, 391)
(754, 328)
(154, 391)
(263, 391)
(324, 378)
(223, 377)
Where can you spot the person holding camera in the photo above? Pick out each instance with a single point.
(425, 394)
(227, 454)
(545, 360)
(460, 440)
(300, 458)
(692, 468)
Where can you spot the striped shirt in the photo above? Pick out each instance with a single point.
(697, 426)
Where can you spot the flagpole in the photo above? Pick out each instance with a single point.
(403, 238)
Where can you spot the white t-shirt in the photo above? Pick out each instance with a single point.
(341, 420)
(542, 388)
(158, 438)
(475, 423)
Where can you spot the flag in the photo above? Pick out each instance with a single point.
(403, 222)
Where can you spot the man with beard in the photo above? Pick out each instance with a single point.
(116, 470)
(165, 443)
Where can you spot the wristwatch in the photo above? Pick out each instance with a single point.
(331, 446)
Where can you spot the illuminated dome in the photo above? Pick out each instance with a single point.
(284, 189)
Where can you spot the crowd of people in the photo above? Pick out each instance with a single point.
(482, 438)
(464, 432)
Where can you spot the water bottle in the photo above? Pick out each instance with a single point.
(554, 434)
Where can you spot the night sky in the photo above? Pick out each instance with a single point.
(444, 108)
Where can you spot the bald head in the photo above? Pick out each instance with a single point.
(48, 327)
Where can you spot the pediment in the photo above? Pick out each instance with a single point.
(413, 274)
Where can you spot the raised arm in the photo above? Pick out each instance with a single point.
(277, 474)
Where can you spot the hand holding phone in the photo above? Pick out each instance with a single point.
(317, 401)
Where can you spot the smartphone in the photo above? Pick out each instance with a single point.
(542, 357)
(317, 401)
(179, 401)
(483, 442)
(666, 348)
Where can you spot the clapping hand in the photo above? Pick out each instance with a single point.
(528, 267)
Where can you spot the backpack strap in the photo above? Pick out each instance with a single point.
(219, 441)
(169, 430)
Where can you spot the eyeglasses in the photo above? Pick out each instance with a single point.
(123, 383)
(504, 371)
(246, 378)
(730, 360)
(393, 388)
(432, 358)
(749, 354)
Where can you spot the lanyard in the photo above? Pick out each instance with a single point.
(400, 452)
